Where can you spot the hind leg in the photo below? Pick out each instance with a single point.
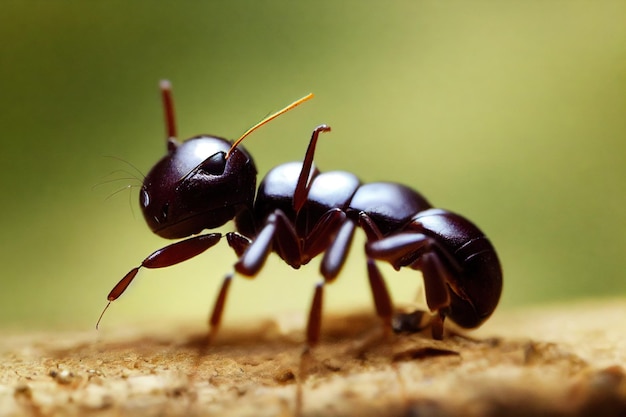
(418, 251)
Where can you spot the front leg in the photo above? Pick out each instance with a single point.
(238, 242)
(277, 234)
(170, 255)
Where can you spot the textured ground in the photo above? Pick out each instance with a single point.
(562, 361)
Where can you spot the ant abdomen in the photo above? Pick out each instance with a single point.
(471, 261)
(462, 273)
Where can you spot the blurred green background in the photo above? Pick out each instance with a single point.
(511, 113)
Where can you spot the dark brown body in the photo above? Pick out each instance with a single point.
(470, 261)
(300, 213)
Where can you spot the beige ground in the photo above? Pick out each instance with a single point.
(562, 361)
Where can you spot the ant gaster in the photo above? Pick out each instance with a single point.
(299, 213)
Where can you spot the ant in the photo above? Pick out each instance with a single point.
(300, 213)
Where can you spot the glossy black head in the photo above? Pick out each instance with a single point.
(195, 187)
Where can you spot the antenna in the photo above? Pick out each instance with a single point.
(267, 120)
(170, 119)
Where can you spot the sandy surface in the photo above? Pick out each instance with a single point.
(562, 361)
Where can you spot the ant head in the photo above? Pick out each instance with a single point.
(196, 187)
(201, 183)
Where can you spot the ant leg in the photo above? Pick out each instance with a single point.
(170, 255)
(331, 264)
(418, 252)
(436, 281)
(215, 318)
(238, 242)
(301, 191)
(277, 234)
(400, 249)
(436, 325)
(372, 231)
(380, 293)
(252, 255)
(382, 299)
(252, 260)
(277, 231)
(323, 233)
(313, 329)
(287, 244)
(336, 253)
(314, 323)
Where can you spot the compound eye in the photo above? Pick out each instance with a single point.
(215, 164)
(144, 198)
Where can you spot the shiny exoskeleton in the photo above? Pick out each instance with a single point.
(300, 213)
